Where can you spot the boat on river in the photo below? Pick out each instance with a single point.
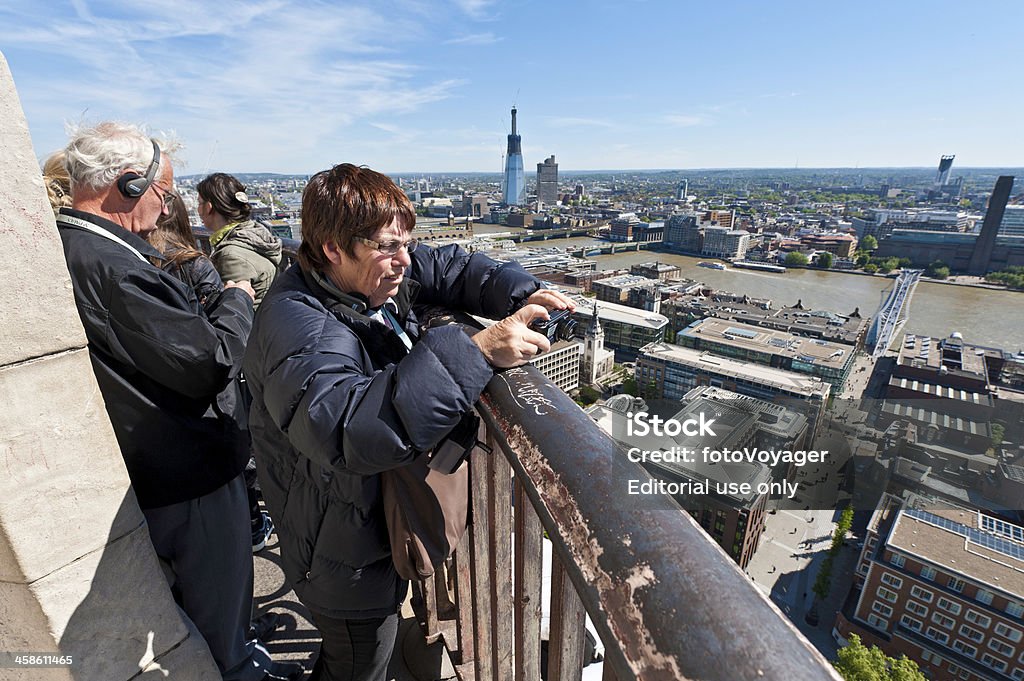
(712, 265)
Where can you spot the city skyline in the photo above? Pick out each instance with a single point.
(292, 87)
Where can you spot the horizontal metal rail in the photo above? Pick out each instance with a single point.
(666, 601)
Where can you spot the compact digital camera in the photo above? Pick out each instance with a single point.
(559, 326)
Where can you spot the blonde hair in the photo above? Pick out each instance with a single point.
(57, 182)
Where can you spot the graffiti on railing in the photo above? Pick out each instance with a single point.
(527, 393)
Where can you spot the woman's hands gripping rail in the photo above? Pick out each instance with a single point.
(511, 342)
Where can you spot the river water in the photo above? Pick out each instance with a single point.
(987, 317)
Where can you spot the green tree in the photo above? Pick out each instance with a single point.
(870, 268)
(998, 432)
(859, 663)
(825, 260)
(823, 583)
(796, 259)
(629, 387)
(869, 243)
(937, 270)
(588, 395)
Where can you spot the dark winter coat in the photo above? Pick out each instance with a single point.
(165, 366)
(337, 400)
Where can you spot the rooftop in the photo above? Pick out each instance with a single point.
(622, 314)
(758, 339)
(964, 542)
(787, 381)
(943, 355)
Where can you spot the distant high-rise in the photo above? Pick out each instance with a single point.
(515, 181)
(547, 181)
(942, 175)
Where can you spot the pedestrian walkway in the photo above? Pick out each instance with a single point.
(298, 640)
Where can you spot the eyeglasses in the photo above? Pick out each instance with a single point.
(166, 195)
(389, 248)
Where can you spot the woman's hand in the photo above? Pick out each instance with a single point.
(552, 300)
(510, 342)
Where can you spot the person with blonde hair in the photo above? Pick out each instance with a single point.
(56, 181)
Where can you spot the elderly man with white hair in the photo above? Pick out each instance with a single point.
(167, 367)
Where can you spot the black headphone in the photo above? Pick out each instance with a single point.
(133, 185)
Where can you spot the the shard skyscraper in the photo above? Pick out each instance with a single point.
(515, 181)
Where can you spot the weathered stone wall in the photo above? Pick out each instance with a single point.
(78, 575)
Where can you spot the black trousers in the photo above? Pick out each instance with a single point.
(354, 650)
(206, 546)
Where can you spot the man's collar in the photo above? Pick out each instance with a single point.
(131, 238)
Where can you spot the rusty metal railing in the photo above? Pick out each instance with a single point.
(666, 602)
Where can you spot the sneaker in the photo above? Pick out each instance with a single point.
(261, 534)
(284, 671)
(264, 627)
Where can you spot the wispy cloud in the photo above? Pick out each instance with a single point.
(478, 9)
(684, 121)
(277, 77)
(475, 39)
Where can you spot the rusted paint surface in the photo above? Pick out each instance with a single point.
(675, 605)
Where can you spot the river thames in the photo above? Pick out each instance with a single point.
(986, 317)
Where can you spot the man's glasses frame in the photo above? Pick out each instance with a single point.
(389, 248)
(167, 196)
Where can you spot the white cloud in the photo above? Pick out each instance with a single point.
(478, 9)
(684, 121)
(475, 39)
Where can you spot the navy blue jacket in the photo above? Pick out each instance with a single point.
(337, 399)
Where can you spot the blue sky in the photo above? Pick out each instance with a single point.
(295, 86)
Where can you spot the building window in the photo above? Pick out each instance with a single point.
(878, 622)
(917, 608)
(923, 594)
(1000, 647)
(1014, 609)
(990, 661)
(886, 594)
(1018, 674)
(965, 648)
(984, 596)
(892, 580)
(949, 606)
(964, 674)
(972, 634)
(956, 584)
(936, 635)
(1008, 632)
(953, 669)
(943, 621)
(928, 572)
(910, 623)
(882, 609)
(975, 617)
(897, 560)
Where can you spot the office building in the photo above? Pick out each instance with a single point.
(722, 242)
(943, 586)
(561, 364)
(734, 520)
(1013, 221)
(626, 329)
(547, 181)
(673, 371)
(827, 360)
(515, 181)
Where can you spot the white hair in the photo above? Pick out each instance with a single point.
(97, 155)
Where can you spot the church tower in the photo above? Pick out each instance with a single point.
(592, 351)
